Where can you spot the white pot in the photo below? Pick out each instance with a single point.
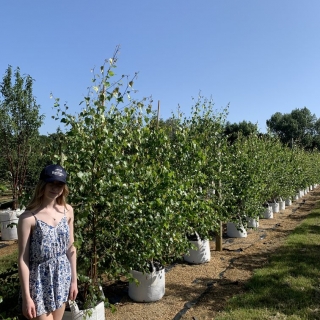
(236, 231)
(297, 196)
(275, 207)
(252, 222)
(151, 286)
(199, 255)
(301, 193)
(97, 313)
(282, 205)
(268, 213)
(288, 202)
(6, 218)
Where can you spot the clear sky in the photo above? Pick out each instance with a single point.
(261, 56)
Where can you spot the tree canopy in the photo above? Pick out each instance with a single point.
(19, 127)
(244, 128)
(300, 127)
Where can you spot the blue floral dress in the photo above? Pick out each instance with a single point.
(50, 271)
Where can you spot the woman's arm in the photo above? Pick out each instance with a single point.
(25, 224)
(72, 256)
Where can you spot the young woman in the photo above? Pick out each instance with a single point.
(47, 257)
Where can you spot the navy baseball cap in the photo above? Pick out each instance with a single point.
(52, 173)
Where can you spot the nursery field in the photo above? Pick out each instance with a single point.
(202, 291)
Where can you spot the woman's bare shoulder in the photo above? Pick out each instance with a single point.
(26, 214)
(27, 218)
(69, 210)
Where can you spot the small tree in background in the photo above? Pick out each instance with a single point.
(299, 126)
(19, 127)
(244, 128)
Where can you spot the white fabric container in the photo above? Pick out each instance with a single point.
(97, 313)
(275, 207)
(6, 218)
(236, 231)
(151, 286)
(288, 202)
(252, 223)
(268, 213)
(282, 205)
(199, 255)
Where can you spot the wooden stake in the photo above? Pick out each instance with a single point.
(158, 115)
(219, 238)
(220, 232)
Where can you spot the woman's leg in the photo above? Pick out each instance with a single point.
(58, 314)
(46, 316)
(54, 315)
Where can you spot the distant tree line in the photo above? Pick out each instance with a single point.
(299, 128)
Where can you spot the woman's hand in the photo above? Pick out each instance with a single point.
(73, 291)
(29, 309)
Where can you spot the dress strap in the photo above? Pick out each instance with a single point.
(33, 215)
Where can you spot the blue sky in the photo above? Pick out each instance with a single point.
(259, 56)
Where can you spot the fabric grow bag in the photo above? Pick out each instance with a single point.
(199, 255)
(8, 232)
(236, 230)
(96, 313)
(151, 286)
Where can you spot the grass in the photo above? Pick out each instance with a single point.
(289, 287)
(9, 285)
(7, 261)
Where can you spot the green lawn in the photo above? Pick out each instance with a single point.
(9, 285)
(8, 261)
(289, 287)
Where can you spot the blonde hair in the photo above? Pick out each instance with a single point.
(37, 198)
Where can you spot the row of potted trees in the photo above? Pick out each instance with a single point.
(147, 194)
(142, 191)
(265, 171)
